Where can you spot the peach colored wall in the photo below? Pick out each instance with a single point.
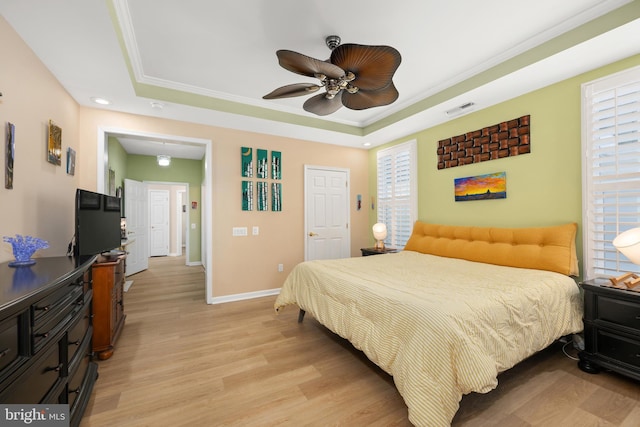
(42, 199)
(281, 239)
(247, 264)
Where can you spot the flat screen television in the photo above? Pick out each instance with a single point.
(97, 227)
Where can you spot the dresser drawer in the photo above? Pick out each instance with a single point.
(58, 313)
(624, 313)
(623, 349)
(32, 386)
(77, 376)
(81, 326)
(50, 305)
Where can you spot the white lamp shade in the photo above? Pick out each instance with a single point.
(628, 243)
(379, 231)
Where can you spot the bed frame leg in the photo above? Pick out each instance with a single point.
(301, 315)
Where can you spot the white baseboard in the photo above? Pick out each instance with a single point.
(244, 296)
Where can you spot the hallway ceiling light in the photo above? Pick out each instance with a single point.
(164, 160)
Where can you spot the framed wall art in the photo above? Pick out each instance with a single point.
(247, 162)
(54, 144)
(481, 187)
(247, 195)
(276, 197)
(9, 155)
(263, 164)
(112, 182)
(71, 161)
(263, 194)
(276, 165)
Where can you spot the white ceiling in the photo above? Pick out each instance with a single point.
(211, 62)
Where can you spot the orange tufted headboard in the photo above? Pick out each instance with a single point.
(550, 248)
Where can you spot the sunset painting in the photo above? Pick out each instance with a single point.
(481, 187)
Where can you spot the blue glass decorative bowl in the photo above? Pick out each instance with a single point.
(23, 248)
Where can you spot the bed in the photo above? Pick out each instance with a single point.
(451, 311)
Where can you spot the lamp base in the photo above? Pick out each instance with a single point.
(630, 281)
(379, 244)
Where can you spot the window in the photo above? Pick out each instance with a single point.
(611, 170)
(397, 195)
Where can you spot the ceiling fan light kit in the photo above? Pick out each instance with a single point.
(355, 76)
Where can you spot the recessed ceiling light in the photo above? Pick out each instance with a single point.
(101, 101)
(157, 105)
(367, 144)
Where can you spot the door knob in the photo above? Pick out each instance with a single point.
(311, 234)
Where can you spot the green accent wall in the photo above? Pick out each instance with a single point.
(544, 187)
(117, 160)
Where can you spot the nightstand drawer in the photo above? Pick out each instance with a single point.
(619, 348)
(624, 313)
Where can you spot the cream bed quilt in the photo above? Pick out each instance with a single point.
(442, 327)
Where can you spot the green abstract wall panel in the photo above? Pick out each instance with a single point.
(247, 195)
(247, 162)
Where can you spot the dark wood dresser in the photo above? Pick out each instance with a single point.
(45, 334)
(108, 303)
(611, 329)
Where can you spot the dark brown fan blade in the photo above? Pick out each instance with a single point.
(290, 91)
(306, 65)
(364, 99)
(321, 105)
(373, 66)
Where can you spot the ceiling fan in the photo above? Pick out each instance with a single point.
(356, 76)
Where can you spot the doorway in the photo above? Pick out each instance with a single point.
(206, 220)
(326, 193)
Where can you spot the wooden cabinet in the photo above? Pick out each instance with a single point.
(611, 329)
(108, 303)
(45, 334)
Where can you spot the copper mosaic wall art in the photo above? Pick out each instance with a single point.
(506, 139)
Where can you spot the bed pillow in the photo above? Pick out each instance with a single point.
(542, 248)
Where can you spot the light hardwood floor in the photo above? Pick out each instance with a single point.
(181, 362)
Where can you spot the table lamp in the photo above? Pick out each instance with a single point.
(628, 242)
(379, 233)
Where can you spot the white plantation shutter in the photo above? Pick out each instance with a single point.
(397, 195)
(611, 120)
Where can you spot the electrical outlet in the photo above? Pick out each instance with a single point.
(256, 230)
(280, 268)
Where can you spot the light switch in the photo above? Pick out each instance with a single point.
(239, 231)
(256, 230)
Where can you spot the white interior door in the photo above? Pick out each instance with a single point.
(327, 233)
(135, 208)
(158, 222)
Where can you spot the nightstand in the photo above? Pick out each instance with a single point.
(611, 329)
(374, 251)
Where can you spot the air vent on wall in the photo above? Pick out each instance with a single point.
(460, 109)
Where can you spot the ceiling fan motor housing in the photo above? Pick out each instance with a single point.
(333, 41)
